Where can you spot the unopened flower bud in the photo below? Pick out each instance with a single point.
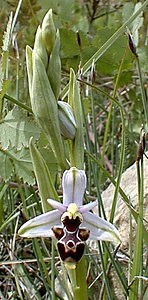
(48, 32)
(54, 67)
(131, 43)
(39, 47)
(66, 120)
(141, 146)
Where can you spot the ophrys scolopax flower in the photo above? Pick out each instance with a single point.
(71, 222)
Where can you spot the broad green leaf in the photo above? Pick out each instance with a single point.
(71, 48)
(143, 55)
(127, 10)
(16, 130)
(6, 166)
(110, 62)
(66, 10)
(20, 161)
(23, 165)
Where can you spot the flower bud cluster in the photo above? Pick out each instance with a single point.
(44, 76)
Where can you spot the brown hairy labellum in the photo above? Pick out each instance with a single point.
(71, 240)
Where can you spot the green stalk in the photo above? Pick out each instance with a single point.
(92, 165)
(73, 280)
(107, 286)
(94, 123)
(65, 281)
(22, 198)
(77, 275)
(130, 246)
(143, 95)
(81, 290)
(3, 189)
(53, 271)
(118, 269)
(16, 15)
(136, 269)
(105, 140)
(42, 265)
(19, 103)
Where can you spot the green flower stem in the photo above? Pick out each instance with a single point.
(94, 122)
(77, 275)
(106, 281)
(76, 149)
(108, 124)
(143, 94)
(136, 269)
(105, 139)
(4, 64)
(16, 15)
(92, 167)
(42, 265)
(19, 103)
(107, 44)
(65, 281)
(3, 188)
(53, 271)
(117, 267)
(81, 292)
(22, 198)
(72, 276)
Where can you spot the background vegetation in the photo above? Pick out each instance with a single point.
(85, 26)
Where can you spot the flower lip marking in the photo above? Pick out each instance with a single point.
(71, 238)
(71, 244)
(71, 224)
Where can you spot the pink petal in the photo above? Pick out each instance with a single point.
(41, 226)
(74, 185)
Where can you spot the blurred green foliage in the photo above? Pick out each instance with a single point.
(82, 33)
(85, 25)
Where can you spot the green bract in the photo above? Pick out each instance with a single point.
(77, 145)
(66, 120)
(39, 47)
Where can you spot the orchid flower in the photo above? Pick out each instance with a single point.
(71, 222)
